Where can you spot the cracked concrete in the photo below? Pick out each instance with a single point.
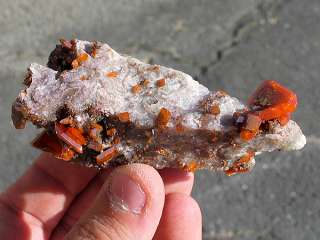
(263, 12)
(230, 45)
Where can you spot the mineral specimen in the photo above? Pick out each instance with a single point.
(100, 109)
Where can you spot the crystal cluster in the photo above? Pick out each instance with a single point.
(100, 108)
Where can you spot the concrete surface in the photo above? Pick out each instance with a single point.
(230, 45)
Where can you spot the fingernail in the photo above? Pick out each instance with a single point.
(125, 194)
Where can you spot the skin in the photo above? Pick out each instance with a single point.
(57, 200)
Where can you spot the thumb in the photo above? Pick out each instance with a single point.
(128, 207)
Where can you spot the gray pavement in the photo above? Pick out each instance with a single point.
(230, 45)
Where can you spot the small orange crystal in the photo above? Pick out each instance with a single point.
(95, 130)
(83, 78)
(75, 63)
(191, 167)
(124, 117)
(136, 89)
(233, 171)
(112, 74)
(71, 136)
(252, 122)
(145, 82)
(66, 154)
(161, 82)
(82, 58)
(163, 118)
(79, 60)
(111, 132)
(67, 121)
(238, 166)
(247, 135)
(107, 155)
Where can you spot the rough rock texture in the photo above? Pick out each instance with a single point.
(280, 198)
(100, 84)
(90, 86)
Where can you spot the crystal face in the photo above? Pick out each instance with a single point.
(107, 155)
(271, 101)
(51, 143)
(70, 136)
(274, 100)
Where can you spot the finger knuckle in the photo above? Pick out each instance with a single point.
(98, 227)
(112, 227)
(84, 230)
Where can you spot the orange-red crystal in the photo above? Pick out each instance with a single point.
(112, 74)
(107, 155)
(271, 101)
(136, 89)
(124, 117)
(191, 167)
(94, 132)
(238, 166)
(161, 82)
(274, 101)
(163, 118)
(253, 122)
(50, 143)
(247, 135)
(71, 136)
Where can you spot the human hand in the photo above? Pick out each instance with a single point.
(57, 200)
